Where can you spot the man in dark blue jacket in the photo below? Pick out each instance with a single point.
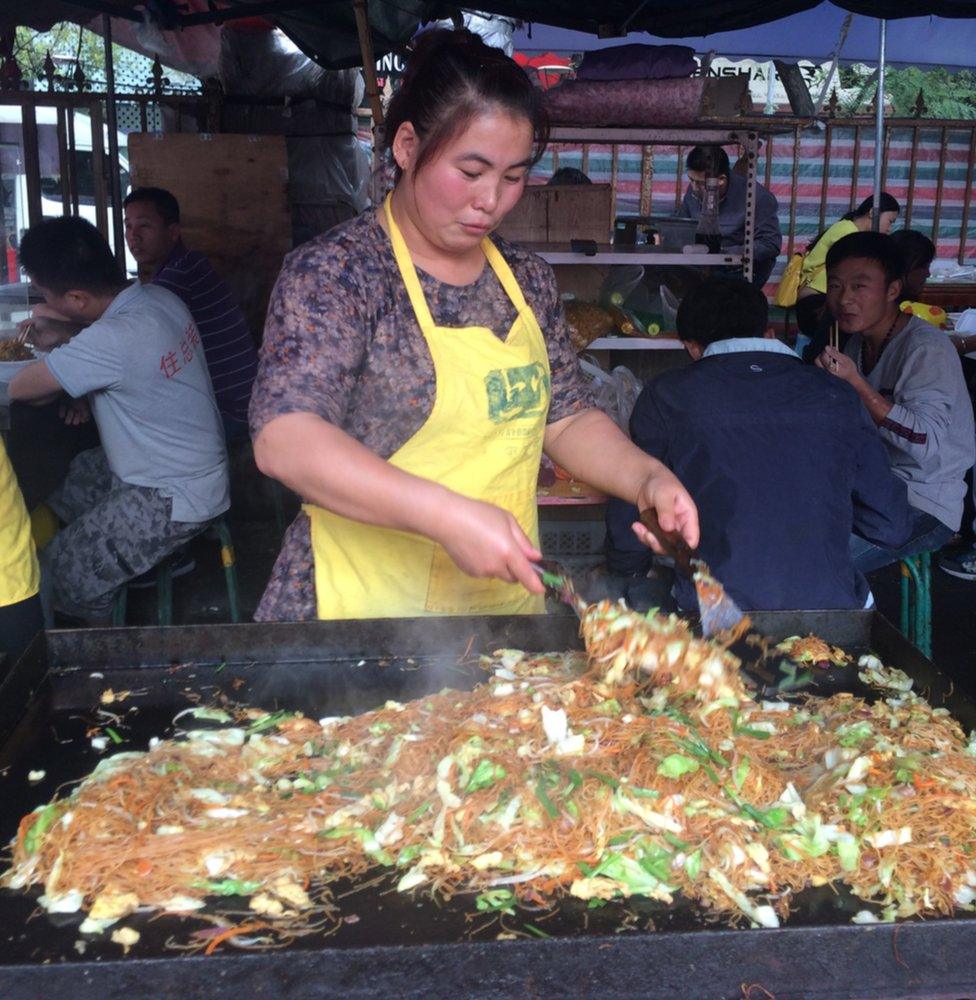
(782, 461)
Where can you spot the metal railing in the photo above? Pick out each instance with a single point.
(817, 172)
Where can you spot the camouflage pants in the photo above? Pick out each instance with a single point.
(114, 532)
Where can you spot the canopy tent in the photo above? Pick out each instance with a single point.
(331, 33)
(809, 34)
(326, 29)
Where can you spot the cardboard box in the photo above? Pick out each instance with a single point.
(561, 213)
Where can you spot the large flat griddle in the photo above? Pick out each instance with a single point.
(401, 944)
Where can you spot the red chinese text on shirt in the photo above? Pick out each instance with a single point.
(169, 363)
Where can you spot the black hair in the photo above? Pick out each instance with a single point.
(916, 249)
(451, 77)
(888, 204)
(712, 161)
(568, 175)
(868, 246)
(720, 309)
(164, 201)
(68, 254)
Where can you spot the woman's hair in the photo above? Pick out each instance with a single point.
(452, 77)
(888, 204)
(568, 175)
(915, 247)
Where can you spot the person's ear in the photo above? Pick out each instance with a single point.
(894, 290)
(694, 349)
(406, 145)
(75, 301)
(175, 232)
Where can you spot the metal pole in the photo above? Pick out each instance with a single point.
(115, 190)
(879, 126)
(376, 184)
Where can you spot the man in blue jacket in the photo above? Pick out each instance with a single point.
(781, 459)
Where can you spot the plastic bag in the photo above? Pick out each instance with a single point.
(616, 392)
(669, 309)
(494, 29)
(328, 168)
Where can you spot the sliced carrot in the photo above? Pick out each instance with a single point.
(231, 932)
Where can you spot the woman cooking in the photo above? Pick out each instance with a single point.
(414, 369)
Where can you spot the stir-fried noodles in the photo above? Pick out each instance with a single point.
(640, 768)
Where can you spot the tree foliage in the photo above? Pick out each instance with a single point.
(945, 94)
(69, 44)
(72, 45)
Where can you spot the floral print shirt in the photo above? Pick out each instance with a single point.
(341, 341)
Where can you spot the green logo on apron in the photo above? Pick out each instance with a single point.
(515, 393)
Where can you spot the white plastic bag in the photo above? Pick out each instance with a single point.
(616, 392)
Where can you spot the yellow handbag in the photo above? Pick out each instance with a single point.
(789, 284)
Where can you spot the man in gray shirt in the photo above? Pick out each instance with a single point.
(909, 378)
(706, 161)
(134, 353)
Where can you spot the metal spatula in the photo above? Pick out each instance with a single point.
(559, 584)
(719, 613)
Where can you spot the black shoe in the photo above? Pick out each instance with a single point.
(184, 564)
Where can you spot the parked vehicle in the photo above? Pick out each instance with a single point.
(14, 217)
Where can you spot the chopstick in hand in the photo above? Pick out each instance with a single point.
(25, 331)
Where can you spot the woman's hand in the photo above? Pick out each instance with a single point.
(672, 503)
(839, 364)
(486, 541)
(75, 411)
(963, 342)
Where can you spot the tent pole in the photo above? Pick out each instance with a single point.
(369, 63)
(111, 120)
(879, 126)
(376, 185)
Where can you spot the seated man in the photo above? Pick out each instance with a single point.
(152, 231)
(781, 462)
(161, 474)
(909, 379)
(713, 161)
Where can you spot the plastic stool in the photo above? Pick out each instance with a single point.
(916, 600)
(219, 531)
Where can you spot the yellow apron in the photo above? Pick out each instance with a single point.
(19, 575)
(483, 439)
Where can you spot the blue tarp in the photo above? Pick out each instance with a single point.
(810, 34)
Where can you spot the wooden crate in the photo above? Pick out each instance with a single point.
(561, 213)
(233, 195)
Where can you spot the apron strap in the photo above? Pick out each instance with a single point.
(505, 276)
(412, 283)
(407, 270)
